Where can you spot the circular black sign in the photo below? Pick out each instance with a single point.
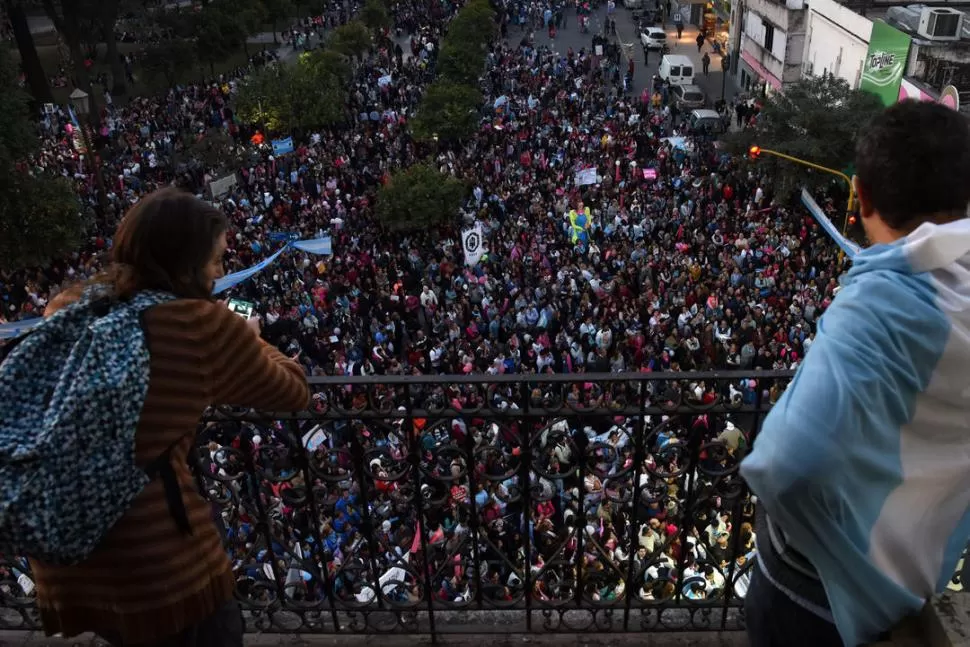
(472, 242)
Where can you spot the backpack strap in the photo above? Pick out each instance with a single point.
(162, 468)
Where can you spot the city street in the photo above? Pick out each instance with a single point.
(570, 36)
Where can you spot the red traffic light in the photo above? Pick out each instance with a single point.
(754, 152)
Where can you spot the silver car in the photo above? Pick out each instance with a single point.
(688, 97)
(653, 37)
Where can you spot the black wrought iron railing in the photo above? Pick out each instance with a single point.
(556, 503)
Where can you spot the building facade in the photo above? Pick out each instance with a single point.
(836, 41)
(771, 44)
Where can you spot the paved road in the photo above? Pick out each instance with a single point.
(571, 37)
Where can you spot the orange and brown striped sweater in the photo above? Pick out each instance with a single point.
(147, 580)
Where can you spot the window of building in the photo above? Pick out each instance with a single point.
(769, 36)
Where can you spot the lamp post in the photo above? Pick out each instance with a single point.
(725, 66)
(756, 151)
(82, 106)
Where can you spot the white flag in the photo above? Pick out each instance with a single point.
(472, 243)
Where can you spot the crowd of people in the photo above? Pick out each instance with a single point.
(682, 262)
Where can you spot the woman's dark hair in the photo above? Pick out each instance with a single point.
(164, 242)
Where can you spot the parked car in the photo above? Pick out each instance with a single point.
(688, 97)
(644, 17)
(708, 120)
(653, 37)
(633, 4)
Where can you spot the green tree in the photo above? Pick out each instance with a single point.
(264, 99)
(816, 119)
(374, 15)
(448, 111)
(219, 33)
(167, 60)
(419, 197)
(71, 25)
(474, 26)
(37, 79)
(39, 212)
(213, 148)
(308, 94)
(276, 11)
(39, 219)
(318, 85)
(352, 39)
(457, 65)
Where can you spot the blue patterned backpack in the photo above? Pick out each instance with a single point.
(71, 394)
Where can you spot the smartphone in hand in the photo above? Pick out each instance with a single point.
(242, 308)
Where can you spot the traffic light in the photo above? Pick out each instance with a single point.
(754, 152)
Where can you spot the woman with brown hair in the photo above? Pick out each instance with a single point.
(148, 582)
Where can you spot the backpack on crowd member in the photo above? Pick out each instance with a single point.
(71, 395)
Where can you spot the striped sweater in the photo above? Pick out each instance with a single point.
(147, 580)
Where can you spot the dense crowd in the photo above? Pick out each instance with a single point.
(687, 266)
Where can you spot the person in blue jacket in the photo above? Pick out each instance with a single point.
(862, 468)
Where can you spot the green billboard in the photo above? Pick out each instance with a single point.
(885, 62)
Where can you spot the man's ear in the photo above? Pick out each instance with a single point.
(862, 198)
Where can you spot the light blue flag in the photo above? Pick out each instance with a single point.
(320, 246)
(18, 328)
(234, 279)
(846, 245)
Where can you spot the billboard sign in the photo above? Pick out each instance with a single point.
(885, 62)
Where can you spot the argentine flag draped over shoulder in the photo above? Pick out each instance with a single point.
(864, 462)
(579, 224)
(473, 244)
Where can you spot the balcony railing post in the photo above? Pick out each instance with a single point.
(369, 536)
(525, 485)
(303, 464)
(474, 525)
(264, 525)
(640, 434)
(580, 575)
(414, 459)
(687, 512)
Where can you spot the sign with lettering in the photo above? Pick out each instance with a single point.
(885, 62)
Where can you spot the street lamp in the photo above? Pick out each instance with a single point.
(756, 151)
(81, 101)
(725, 65)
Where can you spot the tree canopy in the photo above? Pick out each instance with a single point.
(449, 111)
(351, 39)
(308, 94)
(39, 212)
(451, 107)
(374, 15)
(816, 119)
(419, 197)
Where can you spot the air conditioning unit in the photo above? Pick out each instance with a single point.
(937, 23)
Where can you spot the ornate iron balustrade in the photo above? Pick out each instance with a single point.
(437, 504)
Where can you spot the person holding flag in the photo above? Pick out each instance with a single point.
(579, 223)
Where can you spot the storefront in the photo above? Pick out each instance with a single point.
(755, 79)
(717, 24)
